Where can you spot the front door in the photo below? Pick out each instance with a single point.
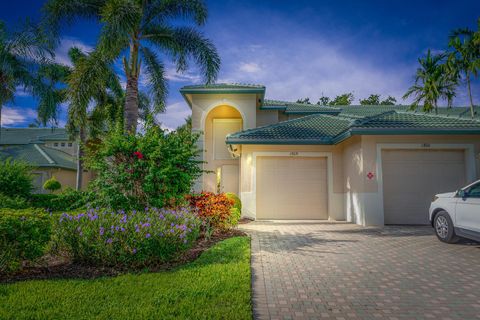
(468, 209)
(229, 178)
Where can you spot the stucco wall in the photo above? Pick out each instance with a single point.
(67, 178)
(356, 196)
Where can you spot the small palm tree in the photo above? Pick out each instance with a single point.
(132, 29)
(466, 57)
(91, 82)
(20, 53)
(430, 84)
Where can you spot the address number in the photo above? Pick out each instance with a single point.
(294, 153)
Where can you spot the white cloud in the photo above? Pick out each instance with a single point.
(174, 115)
(12, 116)
(249, 67)
(310, 67)
(66, 43)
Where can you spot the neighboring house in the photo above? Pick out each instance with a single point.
(49, 151)
(371, 165)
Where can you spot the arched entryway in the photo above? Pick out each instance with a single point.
(223, 170)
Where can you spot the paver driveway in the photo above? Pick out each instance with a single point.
(343, 271)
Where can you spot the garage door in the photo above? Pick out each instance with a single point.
(292, 188)
(412, 177)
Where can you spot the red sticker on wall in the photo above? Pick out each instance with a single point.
(370, 175)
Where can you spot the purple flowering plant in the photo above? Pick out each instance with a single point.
(104, 237)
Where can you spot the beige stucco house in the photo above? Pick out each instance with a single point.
(49, 151)
(371, 165)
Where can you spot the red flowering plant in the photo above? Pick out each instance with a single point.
(215, 209)
(156, 168)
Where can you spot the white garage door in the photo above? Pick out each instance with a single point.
(292, 188)
(412, 177)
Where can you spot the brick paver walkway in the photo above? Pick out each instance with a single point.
(343, 271)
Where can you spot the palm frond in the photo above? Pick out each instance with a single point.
(155, 72)
(157, 11)
(183, 43)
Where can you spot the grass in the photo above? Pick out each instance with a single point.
(215, 286)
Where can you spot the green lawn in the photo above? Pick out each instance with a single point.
(215, 286)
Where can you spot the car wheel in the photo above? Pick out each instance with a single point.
(444, 228)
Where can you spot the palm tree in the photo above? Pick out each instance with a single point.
(430, 82)
(91, 81)
(138, 27)
(20, 53)
(466, 56)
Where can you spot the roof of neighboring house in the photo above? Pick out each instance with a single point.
(331, 129)
(28, 135)
(224, 88)
(297, 108)
(28, 144)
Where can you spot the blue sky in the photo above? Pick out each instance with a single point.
(296, 48)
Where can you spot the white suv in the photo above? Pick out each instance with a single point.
(457, 214)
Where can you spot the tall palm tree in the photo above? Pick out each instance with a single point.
(430, 82)
(466, 57)
(20, 53)
(134, 30)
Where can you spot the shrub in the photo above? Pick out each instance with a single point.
(13, 202)
(15, 178)
(52, 184)
(126, 239)
(24, 235)
(155, 169)
(68, 199)
(237, 203)
(214, 209)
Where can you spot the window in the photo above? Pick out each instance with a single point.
(474, 191)
(70, 144)
(221, 128)
(63, 144)
(55, 144)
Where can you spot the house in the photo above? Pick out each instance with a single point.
(371, 165)
(49, 151)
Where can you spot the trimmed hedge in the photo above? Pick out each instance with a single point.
(24, 235)
(69, 199)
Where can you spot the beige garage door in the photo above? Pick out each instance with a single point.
(292, 188)
(412, 177)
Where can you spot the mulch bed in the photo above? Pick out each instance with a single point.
(58, 268)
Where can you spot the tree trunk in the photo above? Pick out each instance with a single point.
(435, 106)
(131, 105)
(472, 112)
(132, 71)
(80, 155)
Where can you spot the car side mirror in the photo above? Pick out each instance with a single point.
(462, 194)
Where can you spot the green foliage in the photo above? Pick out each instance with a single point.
(15, 202)
(304, 100)
(374, 100)
(52, 184)
(15, 178)
(215, 286)
(388, 101)
(24, 235)
(323, 101)
(127, 239)
(345, 99)
(68, 199)
(237, 202)
(431, 83)
(465, 59)
(130, 30)
(155, 169)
